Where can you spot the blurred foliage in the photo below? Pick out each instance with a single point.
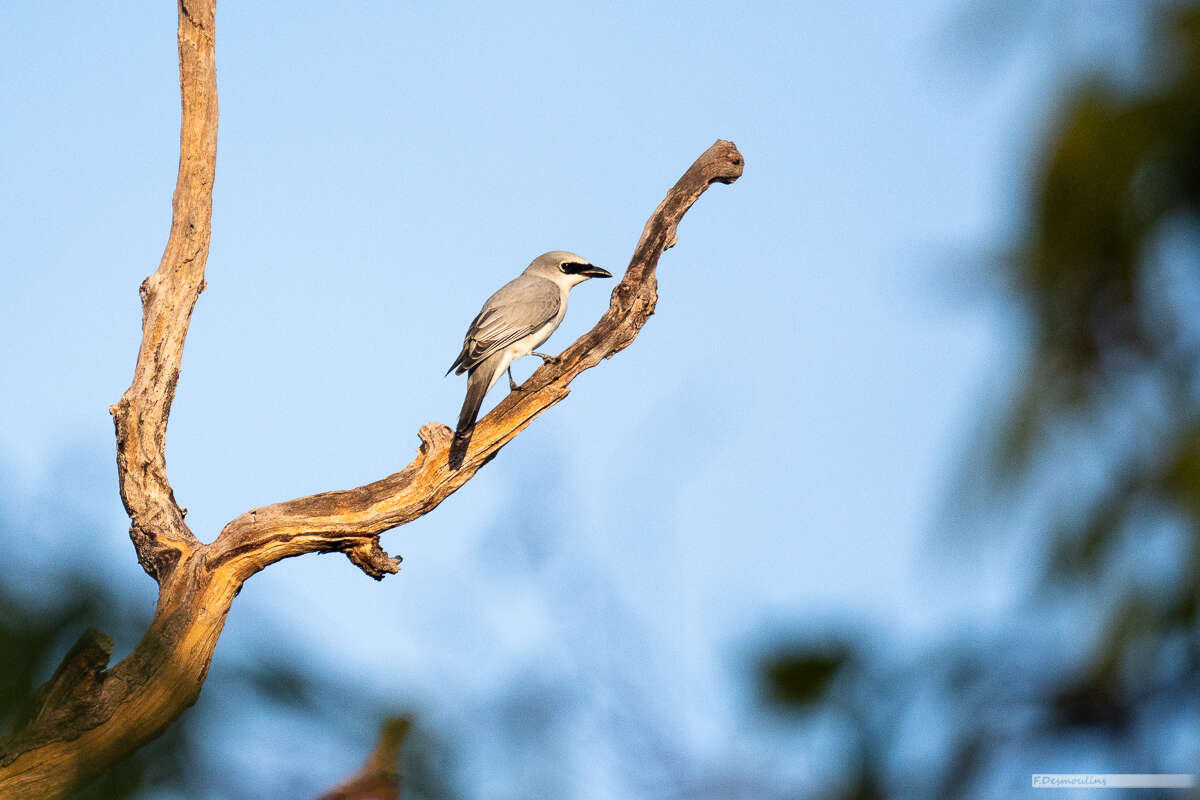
(796, 677)
(38, 626)
(1120, 172)
(1107, 277)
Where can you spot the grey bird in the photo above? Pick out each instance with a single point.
(513, 321)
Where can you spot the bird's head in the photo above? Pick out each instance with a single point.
(565, 268)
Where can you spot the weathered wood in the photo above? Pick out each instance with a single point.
(87, 717)
(335, 520)
(113, 712)
(159, 534)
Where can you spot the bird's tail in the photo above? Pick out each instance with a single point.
(478, 383)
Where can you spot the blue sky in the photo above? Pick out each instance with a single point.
(776, 445)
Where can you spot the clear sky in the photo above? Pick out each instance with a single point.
(773, 448)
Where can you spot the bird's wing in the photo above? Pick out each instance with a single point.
(520, 308)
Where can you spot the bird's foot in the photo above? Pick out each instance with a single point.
(512, 385)
(545, 358)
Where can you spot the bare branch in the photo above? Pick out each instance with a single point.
(343, 520)
(159, 534)
(89, 716)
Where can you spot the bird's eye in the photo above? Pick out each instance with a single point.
(563, 266)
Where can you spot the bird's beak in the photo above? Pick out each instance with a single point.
(592, 271)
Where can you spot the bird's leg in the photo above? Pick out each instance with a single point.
(512, 385)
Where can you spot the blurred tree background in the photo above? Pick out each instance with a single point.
(1099, 669)
(40, 620)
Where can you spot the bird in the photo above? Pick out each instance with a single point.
(520, 316)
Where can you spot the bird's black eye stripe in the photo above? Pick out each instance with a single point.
(572, 268)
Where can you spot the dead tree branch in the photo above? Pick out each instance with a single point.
(89, 716)
(352, 520)
(159, 533)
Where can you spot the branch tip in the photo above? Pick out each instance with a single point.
(371, 558)
(732, 163)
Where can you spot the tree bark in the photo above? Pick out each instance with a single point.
(89, 716)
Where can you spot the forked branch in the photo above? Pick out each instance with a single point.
(89, 716)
